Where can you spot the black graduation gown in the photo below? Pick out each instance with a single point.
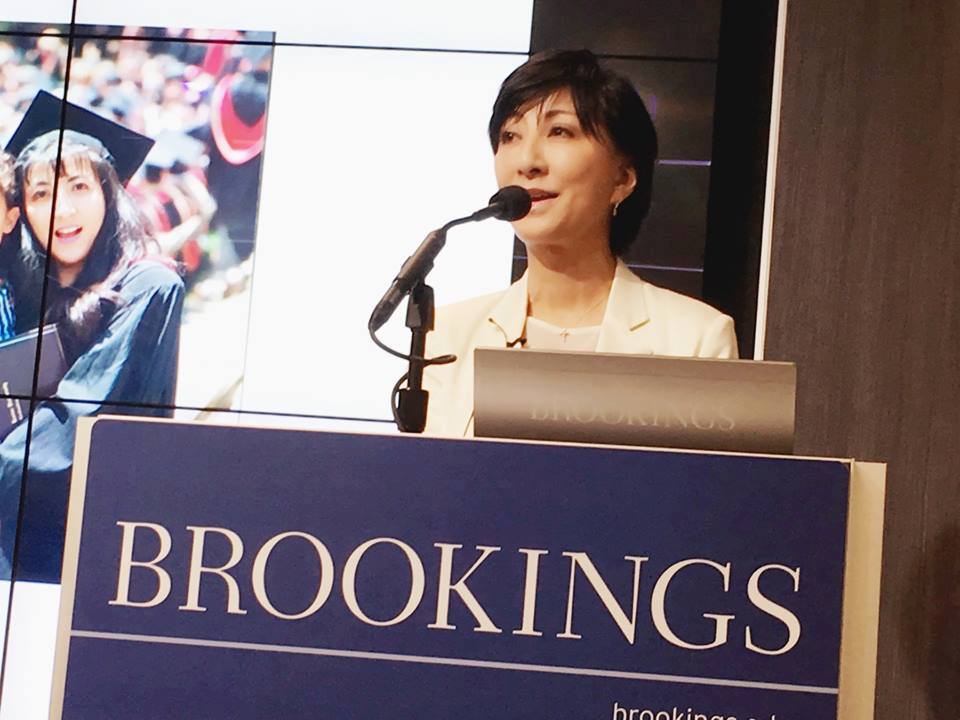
(133, 360)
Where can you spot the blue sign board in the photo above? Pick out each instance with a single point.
(224, 572)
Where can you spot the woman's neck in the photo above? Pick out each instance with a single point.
(67, 275)
(567, 289)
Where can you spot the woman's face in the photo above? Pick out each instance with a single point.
(77, 216)
(574, 178)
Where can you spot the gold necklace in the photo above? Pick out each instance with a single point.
(565, 331)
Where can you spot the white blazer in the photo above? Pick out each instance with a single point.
(640, 319)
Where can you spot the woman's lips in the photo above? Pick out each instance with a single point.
(68, 234)
(537, 195)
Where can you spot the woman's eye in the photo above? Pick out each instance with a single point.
(560, 131)
(507, 136)
(38, 195)
(80, 186)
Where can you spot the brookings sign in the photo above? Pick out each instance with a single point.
(246, 573)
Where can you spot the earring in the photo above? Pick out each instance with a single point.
(616, 206)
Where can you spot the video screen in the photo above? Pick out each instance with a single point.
(257, 175)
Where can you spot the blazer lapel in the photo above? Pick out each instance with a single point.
(622, 328)
(509, 315)
(502, 328)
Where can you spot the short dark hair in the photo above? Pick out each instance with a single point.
(607, 106)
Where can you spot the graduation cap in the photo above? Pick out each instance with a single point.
(127, 148)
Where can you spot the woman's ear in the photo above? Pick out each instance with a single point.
(627, 182)
(9, 220)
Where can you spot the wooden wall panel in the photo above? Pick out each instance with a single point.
(865, 297)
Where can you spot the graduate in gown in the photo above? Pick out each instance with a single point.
(117, 305)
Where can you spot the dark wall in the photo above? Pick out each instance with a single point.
(865, 297)
(738, 177)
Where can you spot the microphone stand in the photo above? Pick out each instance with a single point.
(409, 404)
(412, 404)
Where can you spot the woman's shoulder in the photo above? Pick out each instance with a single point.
(479, 306)
(685, 325)
(663, 301)
(456, 323)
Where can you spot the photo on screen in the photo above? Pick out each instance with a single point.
(133, 263)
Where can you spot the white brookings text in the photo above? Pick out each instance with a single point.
(159, 582)
(675, 713)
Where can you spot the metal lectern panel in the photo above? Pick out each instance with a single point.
(697, 403)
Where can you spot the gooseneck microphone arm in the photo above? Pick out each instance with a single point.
(414, 270)
(510, 203)
(409, 404)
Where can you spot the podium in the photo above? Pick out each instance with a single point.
(231, 572)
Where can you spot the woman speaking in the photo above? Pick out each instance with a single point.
(578, 138)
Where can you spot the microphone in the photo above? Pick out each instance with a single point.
(509, 203)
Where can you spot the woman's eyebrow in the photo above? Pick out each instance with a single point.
(67, 178)
(557, 111)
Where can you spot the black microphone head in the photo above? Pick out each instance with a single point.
(513, 203)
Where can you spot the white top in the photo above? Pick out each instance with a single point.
(544, 336)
